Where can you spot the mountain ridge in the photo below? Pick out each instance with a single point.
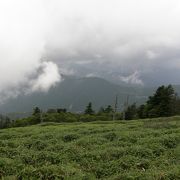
(75, 93)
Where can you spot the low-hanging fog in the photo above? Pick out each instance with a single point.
(136, 42)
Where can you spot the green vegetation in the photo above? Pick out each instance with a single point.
(89, 109)
(4, 121)
(138, 149)
(163, 103)
(62, 145)
(59, 116)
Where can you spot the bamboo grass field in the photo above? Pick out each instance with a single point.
(137, 149)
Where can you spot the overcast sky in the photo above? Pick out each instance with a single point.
(134, 41)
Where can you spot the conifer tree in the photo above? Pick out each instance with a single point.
(89, 109)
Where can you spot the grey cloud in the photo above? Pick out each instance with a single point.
(111, 39)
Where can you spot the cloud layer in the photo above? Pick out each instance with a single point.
(22, 40)
(137, 42)
(107, 38)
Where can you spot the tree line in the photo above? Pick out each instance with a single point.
(163, 103)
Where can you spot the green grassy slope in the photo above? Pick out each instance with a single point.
(148, 149)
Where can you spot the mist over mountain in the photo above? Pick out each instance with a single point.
(74, 93)
(137, 43)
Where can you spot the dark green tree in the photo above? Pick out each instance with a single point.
(141, 112)
(4, 121)
(161, 104)
(37, 115)
(131, 112)
(36, 111)
(50, 111)
(109, 109)
(89, 109)
(61, 110)
(106, 110)
(176, 106)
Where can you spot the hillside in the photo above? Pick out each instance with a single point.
(148, 149)
(75, 93)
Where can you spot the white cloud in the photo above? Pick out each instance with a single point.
(103, 35)
(22, 40)
(47, 78)
(132, 79)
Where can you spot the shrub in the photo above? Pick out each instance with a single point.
(70, 137)
(110, 136)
